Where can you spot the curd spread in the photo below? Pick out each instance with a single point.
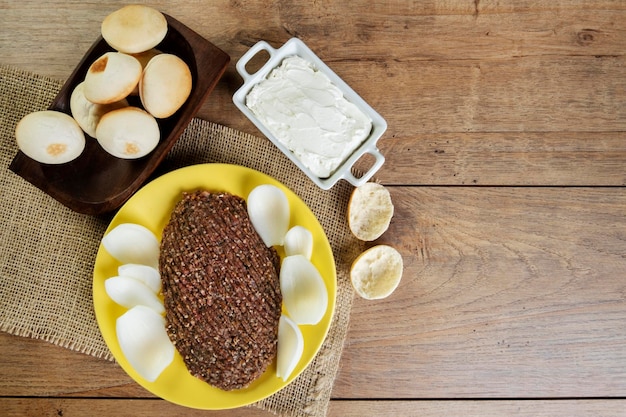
(309, 115)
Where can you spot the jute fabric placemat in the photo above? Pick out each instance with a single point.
(47, 251)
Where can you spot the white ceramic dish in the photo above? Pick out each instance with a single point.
(296, 47)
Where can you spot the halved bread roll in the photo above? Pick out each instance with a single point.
(165, 85)
(370, 210)
(50, 137)
(88, 114)
(128, 133)
(376, 273)
(134, 28)
(111, 78)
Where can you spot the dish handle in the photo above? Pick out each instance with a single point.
(245, 58)
(379, 159)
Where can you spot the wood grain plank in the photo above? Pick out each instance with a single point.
(383, 33)
(434, 408)
(53, 407)
(372, 31)
(527, 94)
(505, 158)
(507, 293)
(565, 87)
(30, 367)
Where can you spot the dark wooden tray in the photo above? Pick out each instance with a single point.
(97, 182)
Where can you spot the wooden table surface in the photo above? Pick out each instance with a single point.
(506, 161)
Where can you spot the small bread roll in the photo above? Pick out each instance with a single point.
(128, 133)
(165, 85)
(134, 28)
(376, 273)
(50, 137)
(88, 114)
(112, 77)
(369, 211)
(144, 58)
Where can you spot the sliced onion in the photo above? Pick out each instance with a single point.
(304, 293)
(268, 209)
(146, 274)
(129, 292)
(290, 347)
(299, 241)
(132, 243)
(144, 341)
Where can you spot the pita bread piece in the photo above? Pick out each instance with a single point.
(128, 133)
(88, 114)
(112, 77)
(134, 28)
(165, 85)
(50, 137)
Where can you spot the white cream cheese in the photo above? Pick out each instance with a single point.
(308, 114)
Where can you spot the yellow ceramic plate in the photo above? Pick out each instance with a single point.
(151, 207)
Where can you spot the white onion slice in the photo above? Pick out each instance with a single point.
(129, 292)
(299, 241)
(290, 347)
(132, 243)
(144, 342)
(268, 209)
(304, 292)
(146, 274)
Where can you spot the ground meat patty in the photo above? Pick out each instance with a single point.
(221, 290)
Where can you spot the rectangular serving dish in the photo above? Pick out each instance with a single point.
(295, 46)
(97, 182)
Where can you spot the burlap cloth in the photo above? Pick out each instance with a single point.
(47, 251)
